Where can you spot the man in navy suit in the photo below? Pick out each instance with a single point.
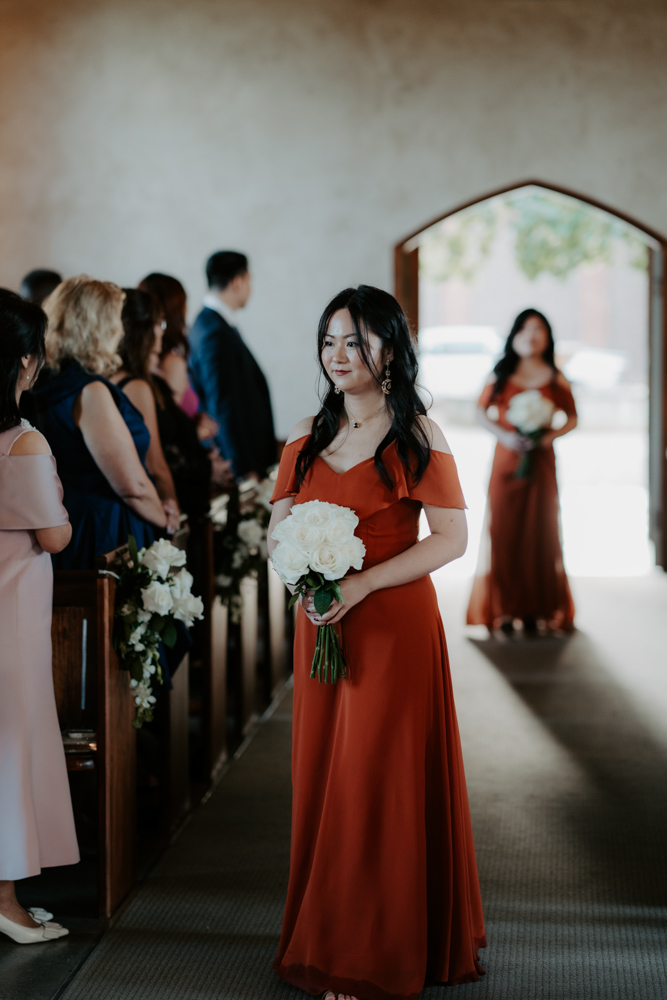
(224, 373)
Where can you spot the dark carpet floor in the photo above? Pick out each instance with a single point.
(565, 742)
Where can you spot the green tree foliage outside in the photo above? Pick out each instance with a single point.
(552, 234)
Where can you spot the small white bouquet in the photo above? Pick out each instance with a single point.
(316, 547)
(531, 413)
(154, 590)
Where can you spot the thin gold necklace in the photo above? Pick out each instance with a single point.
(359, 423)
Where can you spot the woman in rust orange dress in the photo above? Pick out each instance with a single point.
(520, 573)
(383, 893)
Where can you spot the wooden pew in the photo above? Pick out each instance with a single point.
(94, 702)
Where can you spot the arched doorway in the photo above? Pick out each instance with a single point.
(407, 290)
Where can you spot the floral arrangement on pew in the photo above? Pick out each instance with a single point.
(316, 548)
(531, 413)
(239, 543)
(153, 592)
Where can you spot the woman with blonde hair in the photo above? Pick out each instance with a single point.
(98, 437)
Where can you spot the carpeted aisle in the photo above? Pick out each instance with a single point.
(566, 753)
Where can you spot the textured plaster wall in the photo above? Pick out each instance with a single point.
(139, 135)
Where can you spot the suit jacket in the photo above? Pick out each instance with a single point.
(232, 390)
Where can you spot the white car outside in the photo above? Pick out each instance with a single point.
(455, 361)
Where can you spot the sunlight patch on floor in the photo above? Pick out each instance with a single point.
(604, 500)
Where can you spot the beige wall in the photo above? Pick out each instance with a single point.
(139, 135)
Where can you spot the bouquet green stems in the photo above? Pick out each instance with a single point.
(328, 659)
(525, 467)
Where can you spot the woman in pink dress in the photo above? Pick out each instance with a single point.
(36, 821)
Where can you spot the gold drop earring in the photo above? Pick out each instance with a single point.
(386, 385)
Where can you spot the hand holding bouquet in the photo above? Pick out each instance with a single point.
(531, 413)
(316, 548)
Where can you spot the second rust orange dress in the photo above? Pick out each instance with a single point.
(520, 572)
(383, 891)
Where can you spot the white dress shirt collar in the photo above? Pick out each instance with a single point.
(213, 301)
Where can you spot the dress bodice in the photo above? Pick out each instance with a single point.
(54, 403)
(558, 392)
(101, 520)
(388, 517)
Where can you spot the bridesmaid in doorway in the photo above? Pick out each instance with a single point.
(520, 573)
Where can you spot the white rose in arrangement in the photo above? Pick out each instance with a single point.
(157, 598)
(188, 609)
(306, 536)
(530, 411)
(283, 529)
(355, 550)
(341, 530)
(314, 512)
(161, 556)
(289, 562)
(251, 532)
(224, 581)
(330, 560)
(181, 584)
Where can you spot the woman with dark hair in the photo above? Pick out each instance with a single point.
(97, 435)
(173, 301)
(36, 822)
(521, 574)
(176, 459)
(141, 329)
(383, 892)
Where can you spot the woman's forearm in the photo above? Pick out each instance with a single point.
(489, 424)
(416, 562)
(164, 483)
(568, 426)
(143, 499)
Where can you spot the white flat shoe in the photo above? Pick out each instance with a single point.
(31, 935)
(39, 914)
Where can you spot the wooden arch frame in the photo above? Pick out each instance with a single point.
(406, 290)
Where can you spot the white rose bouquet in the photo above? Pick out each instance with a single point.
(316, 547)
(154, 590)
(531, 413)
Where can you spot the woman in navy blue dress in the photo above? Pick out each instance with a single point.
(98, 437)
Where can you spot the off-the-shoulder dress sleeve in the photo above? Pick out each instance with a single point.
(286, 485)
(30, 493)
(439, 486)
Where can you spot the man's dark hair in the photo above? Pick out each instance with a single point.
(38, 285)
(222, 267)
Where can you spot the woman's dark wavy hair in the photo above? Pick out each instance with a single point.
(510, 359)
(22, 330)
(174, 303)
(374, 311)
(141, 312)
